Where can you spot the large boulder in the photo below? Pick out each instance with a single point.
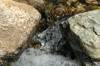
(18, 22)
(86, 26)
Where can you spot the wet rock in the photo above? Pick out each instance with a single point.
(17, 24)
(86, 26)
(37, 57)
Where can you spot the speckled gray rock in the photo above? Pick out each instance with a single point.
(87, 27)
(52, 38)
(36, 57)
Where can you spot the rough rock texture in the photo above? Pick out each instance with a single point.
(60, 43)
(37, 57)
(22, 1)
(52, 39)
(63, 38)
(39, 4)
(17, 23)
(87, 27)
(58, 39)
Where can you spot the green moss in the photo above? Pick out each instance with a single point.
(95, 7)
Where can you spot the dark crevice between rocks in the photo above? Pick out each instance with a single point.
(48, 19)
(72, 47)
(71, 44)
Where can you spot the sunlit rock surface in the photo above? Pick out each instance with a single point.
(87, 27)
(17, 23)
